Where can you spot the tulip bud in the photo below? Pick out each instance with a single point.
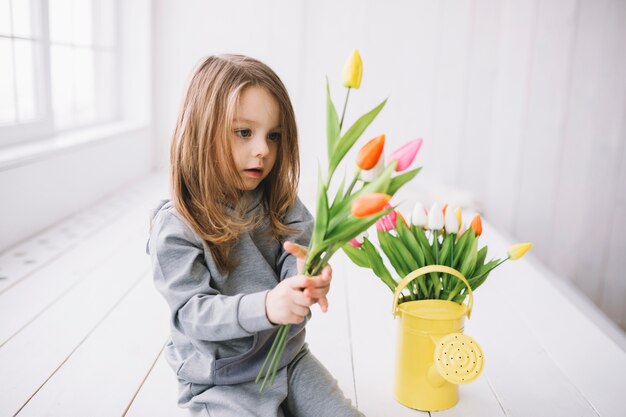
(451, 222)
(459, 218)
(477, 225)
(371, 174)
(358, 240)
(435, 217)
(370, 153)
(517, 251)
(369, 204)
(387, 222)
(353, 70)
(406, 154)
(418, 216)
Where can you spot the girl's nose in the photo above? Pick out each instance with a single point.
(260, 147)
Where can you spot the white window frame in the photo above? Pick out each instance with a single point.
(42, 128)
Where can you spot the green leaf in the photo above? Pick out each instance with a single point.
(390, 253)
(357, 256)
(377, 264)
(480, 259)
(352, 135)
(332, 123)
(444, 255)
(321, 217)
(351, 227)
(468, 263)
(342, 210)
(410, 242)
(405, 256)
(399, 180)
(462, 245)
(338, 196)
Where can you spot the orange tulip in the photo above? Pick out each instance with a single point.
(445, 206)
(369, 204)
(370, 153)
(477, 225)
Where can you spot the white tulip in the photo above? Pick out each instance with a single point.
(418, 217)
(371, 174)
(451, 221)
(435, 217)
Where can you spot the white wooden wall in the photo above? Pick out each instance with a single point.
(522, 103)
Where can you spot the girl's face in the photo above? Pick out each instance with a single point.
(256, 134)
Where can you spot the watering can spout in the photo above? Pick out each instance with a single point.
(458, 359)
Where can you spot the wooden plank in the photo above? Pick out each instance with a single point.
(35, 353)
(27, 257)
(523, 374)
(31, 297)
(158, 394)
(101, 376)
(517, 21)
(548, 87)
(606, 263)
(373, 342)
(583, 122)
(603, 157)
(449, 98)
(482, 70)
(563, 332)
(328, 334)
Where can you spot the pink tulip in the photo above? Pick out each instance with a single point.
(355, 243)
(405, 154)
(387, 222)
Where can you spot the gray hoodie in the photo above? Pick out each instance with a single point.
(220, 333)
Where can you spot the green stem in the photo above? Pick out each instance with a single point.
(461, 285)
(357, 171)
(269, 354)
(280, 338)
(437, 284)
(343, 113)
(279, 354)
(445, 279)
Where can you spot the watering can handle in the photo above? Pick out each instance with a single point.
(425, 270)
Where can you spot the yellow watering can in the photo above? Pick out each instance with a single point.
(433, 355)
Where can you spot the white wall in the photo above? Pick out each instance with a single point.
(520, 103)
(47, 186)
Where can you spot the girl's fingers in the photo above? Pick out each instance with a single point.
(323, 302)
(299, 310)
(302, 299)
(296, 250)
(316, 292)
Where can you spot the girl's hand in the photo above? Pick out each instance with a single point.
(286, 303)
(321, 285)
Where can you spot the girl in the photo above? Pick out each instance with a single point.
(227, 250)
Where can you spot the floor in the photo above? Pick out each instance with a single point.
(83, 329)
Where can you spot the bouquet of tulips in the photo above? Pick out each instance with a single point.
(352, 210)
(435, 237)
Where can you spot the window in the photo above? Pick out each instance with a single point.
(58, 62)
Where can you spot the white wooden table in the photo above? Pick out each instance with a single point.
(82, 330)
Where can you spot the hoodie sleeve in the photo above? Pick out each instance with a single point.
(298, 217)
(183, 279)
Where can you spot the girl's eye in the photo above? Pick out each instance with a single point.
(274, 136)
(244, 133)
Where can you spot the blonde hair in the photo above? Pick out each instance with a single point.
(203, 177)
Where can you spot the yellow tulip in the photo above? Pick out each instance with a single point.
(517, 251)
(353, 70)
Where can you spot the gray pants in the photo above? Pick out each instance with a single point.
(304, 388)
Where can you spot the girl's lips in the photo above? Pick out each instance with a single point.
(254, 173)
